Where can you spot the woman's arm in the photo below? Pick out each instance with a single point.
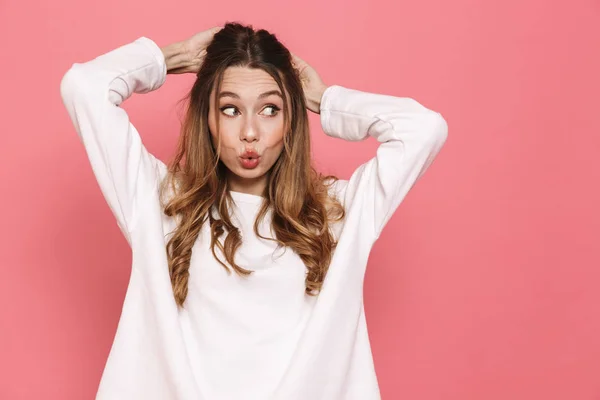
(410, 134)
(92, 92)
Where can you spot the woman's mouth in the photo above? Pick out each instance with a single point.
(249, 162)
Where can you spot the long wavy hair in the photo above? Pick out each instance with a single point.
(297, 195)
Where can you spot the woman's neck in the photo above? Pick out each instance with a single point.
(250, 186)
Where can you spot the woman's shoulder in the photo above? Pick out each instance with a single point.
(336, 187)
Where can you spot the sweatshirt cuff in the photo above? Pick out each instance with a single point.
(325, 108)
(158, 55)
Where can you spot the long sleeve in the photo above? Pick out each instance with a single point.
(92, 92)
(410, 137)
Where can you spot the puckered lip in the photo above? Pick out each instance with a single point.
(250, 154)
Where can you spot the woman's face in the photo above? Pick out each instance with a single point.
(251, 123)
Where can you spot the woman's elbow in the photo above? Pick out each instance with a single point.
(69, 84)
(437, 129)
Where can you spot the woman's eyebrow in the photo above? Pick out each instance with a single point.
(262, 95)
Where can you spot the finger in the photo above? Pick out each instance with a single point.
(298, 63)
(296, 60)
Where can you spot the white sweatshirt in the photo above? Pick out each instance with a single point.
(259, 337)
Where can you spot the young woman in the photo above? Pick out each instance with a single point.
(248, 265)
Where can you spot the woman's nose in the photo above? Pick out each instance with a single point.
(249, 131)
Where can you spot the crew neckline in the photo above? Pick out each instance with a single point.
(246, 197)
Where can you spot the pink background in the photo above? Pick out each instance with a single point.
(484, 285)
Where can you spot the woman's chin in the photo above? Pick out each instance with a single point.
(254, 173)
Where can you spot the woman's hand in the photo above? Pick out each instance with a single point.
(313, 85)
(187, 56)
(196, 47)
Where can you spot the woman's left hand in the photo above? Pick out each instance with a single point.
(313, 85)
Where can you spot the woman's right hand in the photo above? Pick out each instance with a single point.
(197, 44)
(187, 56)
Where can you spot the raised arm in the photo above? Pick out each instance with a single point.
(410, 137)
(92, 92)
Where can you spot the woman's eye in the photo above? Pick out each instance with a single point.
(228, 108)
(275, 110)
